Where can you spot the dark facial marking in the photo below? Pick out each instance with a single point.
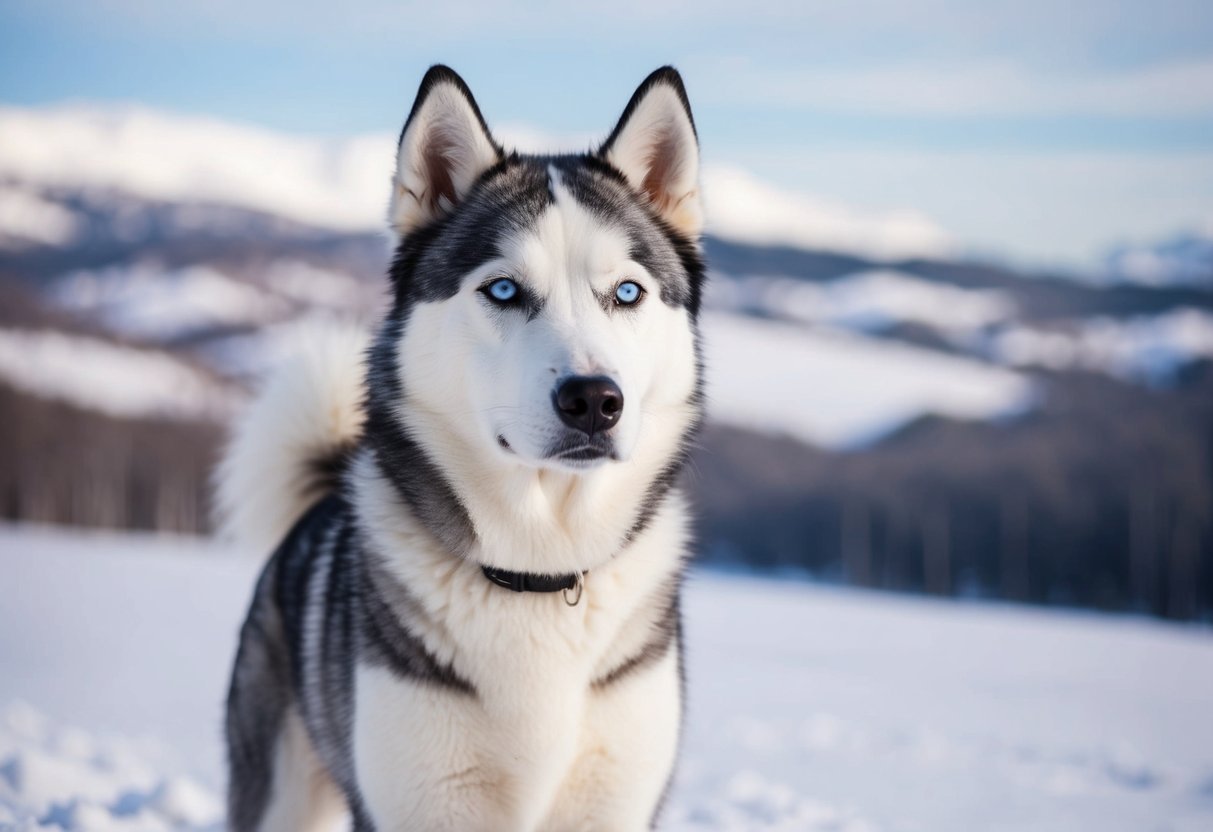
(671, 258)
(415, 477)
(432, 262)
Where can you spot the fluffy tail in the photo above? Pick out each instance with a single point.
(287, 450)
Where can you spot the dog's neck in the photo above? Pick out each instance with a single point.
(504, 514)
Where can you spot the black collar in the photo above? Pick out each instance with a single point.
(530, 581)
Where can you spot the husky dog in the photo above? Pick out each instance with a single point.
(470, 620)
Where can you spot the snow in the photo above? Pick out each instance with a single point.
(153, 303)
(68, 778)
(1182, 260)
(316, 286)
(1144, 348)
(114, 379)
(340, 184)
(26, 218)
(840, 390)
(343, 183)
(912, 714)
(808, 708)
(872, 300)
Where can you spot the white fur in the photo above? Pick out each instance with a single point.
(658, 153)
(308, 408)
(303, 798)
(586, 759)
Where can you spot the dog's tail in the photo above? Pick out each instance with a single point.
(289, 447)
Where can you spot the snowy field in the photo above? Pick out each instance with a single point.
(810, 708)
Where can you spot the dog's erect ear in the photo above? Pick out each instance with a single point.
(444, 147)
(655, 147)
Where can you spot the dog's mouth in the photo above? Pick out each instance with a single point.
(573, 450)
(580, 451)
(583, 454)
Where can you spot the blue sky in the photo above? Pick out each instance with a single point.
(1041, 131)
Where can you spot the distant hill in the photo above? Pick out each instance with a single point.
(917, 423)
(1183, 260)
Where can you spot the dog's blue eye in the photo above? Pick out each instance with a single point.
(503, 290)
(627, 293)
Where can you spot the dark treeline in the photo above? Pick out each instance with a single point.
(1103, 498)
(64, 465)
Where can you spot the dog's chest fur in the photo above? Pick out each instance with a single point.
(553, 686)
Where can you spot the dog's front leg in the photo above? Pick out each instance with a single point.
(420, 763)
(627, 752)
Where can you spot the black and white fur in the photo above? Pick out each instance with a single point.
(380, 675)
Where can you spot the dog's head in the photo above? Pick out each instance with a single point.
(545, 305)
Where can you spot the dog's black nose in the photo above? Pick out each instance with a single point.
(588, 403)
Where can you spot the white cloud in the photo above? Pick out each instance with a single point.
(964, 87)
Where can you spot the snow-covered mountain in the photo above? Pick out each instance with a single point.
(123, 179)
(334, 184)
(1182, 260)
(119, 179)
(342, 184)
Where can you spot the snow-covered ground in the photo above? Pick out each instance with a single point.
(809, 708)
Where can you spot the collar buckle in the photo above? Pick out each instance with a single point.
(576, 589)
